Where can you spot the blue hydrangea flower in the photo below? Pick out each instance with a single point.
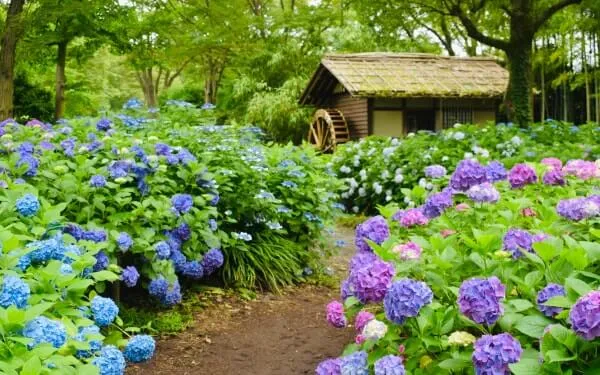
(103, 124)
(436, 204)
(178, 259)
(212, 224)
(162, 149)
(185, 156)
(163, 250)
(14, 292)
(31, 162)
(193, 270)
(183, 232)
(158, 287)
(405, 298)
(110, 361)
(124, 241)
(96, 235)
(182, 203)
(68, 146)
(140, 348)
(28, 205)
(496, 171)
(331, 366)
(389, 365)
(83, 336)
(551, 290)
(169, 295)
(355, 364)
(98, 181)
(130, 276)
(66, 269)
(212, 261)
(104, 310)
(119, 168)
(43, 330)
(102, 261)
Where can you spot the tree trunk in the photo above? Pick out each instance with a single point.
(146, 80)
(8, 46)
(213, 78)
(519, 94)
(543, 95)
(596, 80)
(588, 96)
(61, 62)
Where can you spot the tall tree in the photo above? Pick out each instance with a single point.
(8, 45)
(522, 19)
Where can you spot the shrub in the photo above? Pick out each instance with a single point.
(504, 284)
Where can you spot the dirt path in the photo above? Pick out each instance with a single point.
(273, 335)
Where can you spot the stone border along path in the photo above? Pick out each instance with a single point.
(283, 334)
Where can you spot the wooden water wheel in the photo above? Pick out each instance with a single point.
(328, 129)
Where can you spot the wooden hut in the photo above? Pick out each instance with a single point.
(392, 94)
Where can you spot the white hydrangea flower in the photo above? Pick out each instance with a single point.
(345, 169)
(445, 158)
(385, 174)
(362, 192)
(355, 209)
(457, 125)
(352, 182)
(398, 178)
(410, 135)
(378, 188)
(516, 140)
(422, 182)
(427, 157)
(459, 136)
(468, 155)
(388, 198)
(395, 142)
(363, 174)
(374, 330)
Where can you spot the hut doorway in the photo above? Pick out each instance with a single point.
(419, 120)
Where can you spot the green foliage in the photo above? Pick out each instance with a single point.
(32, 101)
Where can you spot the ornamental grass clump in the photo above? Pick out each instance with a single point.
(502, 281)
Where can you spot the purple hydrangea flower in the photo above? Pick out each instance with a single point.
(335, 314)
(370, 282)
(516, 241)
(212, 261)
(553, 163)
(181, 203)
(361, 320)
(355, 364)
(346, 289)
(480, 299)
(415, 216)
(577, 209)
(468, 173)
(483, 193)
(495, 171)
(389, 365)
(405, 298)
(98, 181)
(361, 259)
(130, 276)
(162, 149)
(551, 290)
(102, 261)
(554, 177)
(585, 316)
(435, 205)
(521, 175)
(375, 229)
(493, 354)
(331, 366)
(435, 171)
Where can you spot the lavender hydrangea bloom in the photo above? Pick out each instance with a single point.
(582, 169)
(483, 193)
(119, 168)
(130, 276)
(516, 241)
(375, 229)
(102, 261)
(355, 364)
(162, 149)
(212, 261)
(405, 298)
(361, 259)
(434, 206)
(521, 175)
(585, 316)
(335, 314)
(68, 146)
(389, 365)
(124, 241)
(346, 289)
(435, 171)
(493, 354)
(551, 290)
(554, 177)
(370, 282)
(468, 173)
(553, 163)
(98, 181)
(331, 366)
(480, 300)
(182, 203)
(495, 171)
(577, 209)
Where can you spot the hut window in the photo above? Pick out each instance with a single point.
(455, 115)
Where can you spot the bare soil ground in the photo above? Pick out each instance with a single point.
(276, 334)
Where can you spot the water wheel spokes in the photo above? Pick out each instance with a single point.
(328, 129)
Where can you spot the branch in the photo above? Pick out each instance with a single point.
(474, 32)
(550, 11)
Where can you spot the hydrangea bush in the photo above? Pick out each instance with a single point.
(379, 170)
(502, 279)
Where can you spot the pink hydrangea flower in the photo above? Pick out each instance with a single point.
(553, 163)
(528, 212)
(335, 314)
(361, 320)
(461, 207)
(413, 217)
(447, 232)
(408, 251)
(581, 169)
